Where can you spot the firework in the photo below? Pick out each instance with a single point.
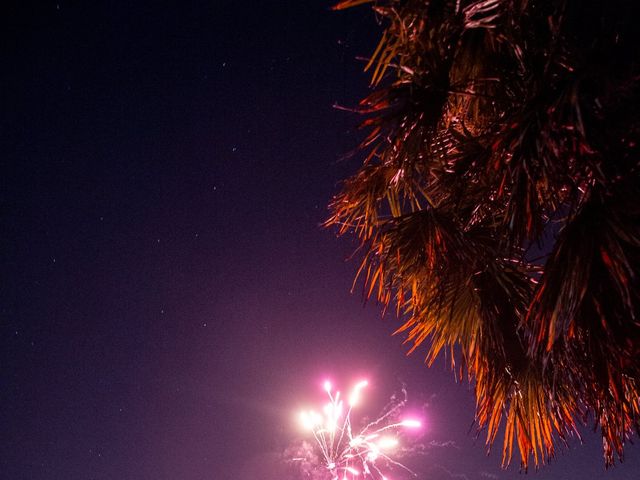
(348, 453)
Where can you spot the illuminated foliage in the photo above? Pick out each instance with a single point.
(496, 128)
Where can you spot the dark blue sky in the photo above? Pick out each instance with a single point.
(168, 297)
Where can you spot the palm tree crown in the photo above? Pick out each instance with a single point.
(498, 128)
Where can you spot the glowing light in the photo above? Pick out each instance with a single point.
(387, 442)
(355, 394)
(411, 423)
(356, 442)
(306, 420)
(373, 455)
(316, 418)
(349, 453)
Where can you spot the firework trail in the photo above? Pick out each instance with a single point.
(347, 454)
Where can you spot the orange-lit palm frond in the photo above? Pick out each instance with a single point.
(585, 311)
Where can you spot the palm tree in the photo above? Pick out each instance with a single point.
(498, 129)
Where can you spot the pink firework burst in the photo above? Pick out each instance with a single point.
(348, 453)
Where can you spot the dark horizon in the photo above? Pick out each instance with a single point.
(170, 297)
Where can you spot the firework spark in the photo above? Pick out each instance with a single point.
(349, 454)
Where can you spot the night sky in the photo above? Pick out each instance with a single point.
(169, 299)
